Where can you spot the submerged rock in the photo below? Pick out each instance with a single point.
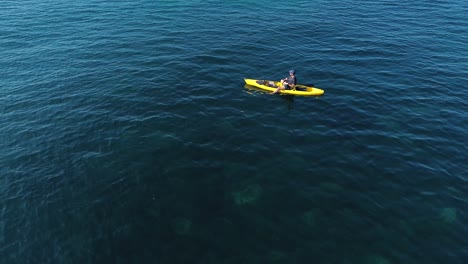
(277, 257)
(248, 195)
(448, 215)
(330, 187)
(309, 218)
(181, 226)
(377, 259)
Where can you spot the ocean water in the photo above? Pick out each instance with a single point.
(127, 134)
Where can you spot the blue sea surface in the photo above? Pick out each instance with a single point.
(128, 135)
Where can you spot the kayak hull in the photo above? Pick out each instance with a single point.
(271, 86)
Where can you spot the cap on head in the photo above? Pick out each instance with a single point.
(292, 72)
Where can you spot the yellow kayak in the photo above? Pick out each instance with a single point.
(272, 85)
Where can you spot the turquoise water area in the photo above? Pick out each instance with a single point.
(127, 134)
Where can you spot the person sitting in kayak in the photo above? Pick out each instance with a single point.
(288, 82)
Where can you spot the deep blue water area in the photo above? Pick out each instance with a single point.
(127, 134)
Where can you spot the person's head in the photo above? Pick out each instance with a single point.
(292, 72)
